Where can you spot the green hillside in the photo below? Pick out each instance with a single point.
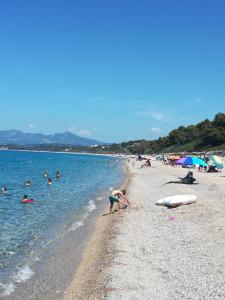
(206, 135)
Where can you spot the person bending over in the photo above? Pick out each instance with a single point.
(118, 196)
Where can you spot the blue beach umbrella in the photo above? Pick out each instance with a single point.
(191, 160)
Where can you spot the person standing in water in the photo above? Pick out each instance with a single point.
(58, 174)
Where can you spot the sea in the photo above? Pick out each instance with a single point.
(28, 230)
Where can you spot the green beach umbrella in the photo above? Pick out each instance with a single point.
(217, 161)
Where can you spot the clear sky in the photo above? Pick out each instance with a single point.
(111, 70)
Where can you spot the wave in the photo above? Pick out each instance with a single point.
(9, 253)
(76, 225)
(7, 289)
(88, 208)
(24, 274)
(91, 206)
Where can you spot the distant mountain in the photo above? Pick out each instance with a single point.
(18, 137)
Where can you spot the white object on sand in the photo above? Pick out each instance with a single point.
(177, 200)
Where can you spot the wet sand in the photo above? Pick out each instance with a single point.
(59, 262)
(90, 280)
(151, 252)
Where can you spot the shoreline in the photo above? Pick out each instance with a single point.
(51, 275)
(48, 274)
(170, 253)
(146, 251)
(151, 252)
(90, 278)
(67, 152)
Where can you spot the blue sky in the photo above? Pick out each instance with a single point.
(111, 70)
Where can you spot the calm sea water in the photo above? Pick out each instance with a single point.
(27, 228)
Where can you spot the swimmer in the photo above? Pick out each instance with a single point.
(58, 175)
(49, 181)
(4, 190)
(46, 174)
(27, 200)
(25, 197)
(28, 183)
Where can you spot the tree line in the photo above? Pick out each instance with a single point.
(206, 135)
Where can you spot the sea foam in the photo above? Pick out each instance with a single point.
(76, 225)
(91, 206)
(7, 289)
(88, 208)
(24, 274)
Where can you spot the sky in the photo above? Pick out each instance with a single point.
(111, 70)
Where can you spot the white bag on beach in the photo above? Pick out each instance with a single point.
(177, 200)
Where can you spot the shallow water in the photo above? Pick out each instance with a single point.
(27, 229)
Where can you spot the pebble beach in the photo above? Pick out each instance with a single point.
(152, 252)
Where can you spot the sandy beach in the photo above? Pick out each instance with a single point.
(151, 252)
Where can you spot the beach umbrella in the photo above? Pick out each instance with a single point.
(174, 157)
(191, 160)
(181, 160)
(217, 161)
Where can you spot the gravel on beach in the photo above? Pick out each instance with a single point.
(152, 252)
(165, 253)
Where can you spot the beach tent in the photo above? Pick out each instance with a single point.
(216, 161)
(191, 160)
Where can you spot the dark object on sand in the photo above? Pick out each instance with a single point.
(212, 169)
(188, 179)
(148, 163)
(139, 157)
